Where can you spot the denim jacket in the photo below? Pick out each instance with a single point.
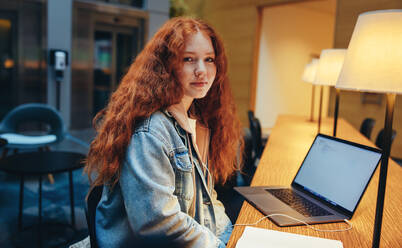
(162, 198)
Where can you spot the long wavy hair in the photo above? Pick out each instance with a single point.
(151, 84)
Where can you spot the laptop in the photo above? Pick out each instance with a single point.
(327, 187)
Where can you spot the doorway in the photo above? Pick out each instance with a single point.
(115, 48)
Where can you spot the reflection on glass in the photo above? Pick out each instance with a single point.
(102, 69)
(124, 54)
(102, 59)
(6, 66)
(114, 52)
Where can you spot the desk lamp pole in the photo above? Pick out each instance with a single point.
(309, 76)
(319, 113)
(312, 103)
(384, 168)
(336, 110)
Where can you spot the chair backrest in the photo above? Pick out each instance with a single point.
(37, 113)
(248, 168)
(379, 142)
(93, 199)
(255, 128)
(367, 126)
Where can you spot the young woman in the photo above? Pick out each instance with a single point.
(168, 134)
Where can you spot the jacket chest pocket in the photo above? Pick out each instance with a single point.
(184, 184)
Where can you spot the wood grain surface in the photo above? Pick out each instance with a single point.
(287, 146)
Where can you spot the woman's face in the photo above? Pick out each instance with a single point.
(197, 71)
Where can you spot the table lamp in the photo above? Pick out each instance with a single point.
(373, 63)
(308, 76)
(329, 67)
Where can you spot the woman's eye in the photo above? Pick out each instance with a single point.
(211, 60)
(188, 59)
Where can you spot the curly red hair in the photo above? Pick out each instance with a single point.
(151, 85)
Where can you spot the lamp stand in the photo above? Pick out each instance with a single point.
(312, 103)
(389, 115)
(336, 110)
(319, 113)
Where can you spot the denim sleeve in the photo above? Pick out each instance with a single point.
(147, 182)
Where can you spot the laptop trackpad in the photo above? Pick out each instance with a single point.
(266, 201)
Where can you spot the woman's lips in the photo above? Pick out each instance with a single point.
(198, 84)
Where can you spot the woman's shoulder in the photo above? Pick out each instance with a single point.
(160, 126)
(159, 122)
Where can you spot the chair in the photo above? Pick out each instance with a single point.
(257, 143)
(32, 118)
(93, 199)
(367, 126)
(249, 167)
(21, 122)
(379, 142)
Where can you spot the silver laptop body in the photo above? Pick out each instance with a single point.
(331, 182)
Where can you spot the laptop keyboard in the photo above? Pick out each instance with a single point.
(298, 203)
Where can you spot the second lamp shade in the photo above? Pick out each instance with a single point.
(329, 66)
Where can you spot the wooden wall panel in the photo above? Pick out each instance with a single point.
(236, 22)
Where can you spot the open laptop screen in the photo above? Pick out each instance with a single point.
(337, 170)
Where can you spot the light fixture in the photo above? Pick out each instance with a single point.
(373, 63)
(308, 76)
(329, 67)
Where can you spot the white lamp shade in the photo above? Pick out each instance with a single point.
(329, 66)
(310, 71)
(373, 61)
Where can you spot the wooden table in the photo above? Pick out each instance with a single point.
(287, 146)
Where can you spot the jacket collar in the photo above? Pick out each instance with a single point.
(199, 133)
(178, 112)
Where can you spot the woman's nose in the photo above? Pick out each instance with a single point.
(200, 69)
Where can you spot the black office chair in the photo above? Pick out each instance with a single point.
(379, 142)
(93, 199)
(257, 143)
(31, 126)
(249, 166)
(367, 126)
